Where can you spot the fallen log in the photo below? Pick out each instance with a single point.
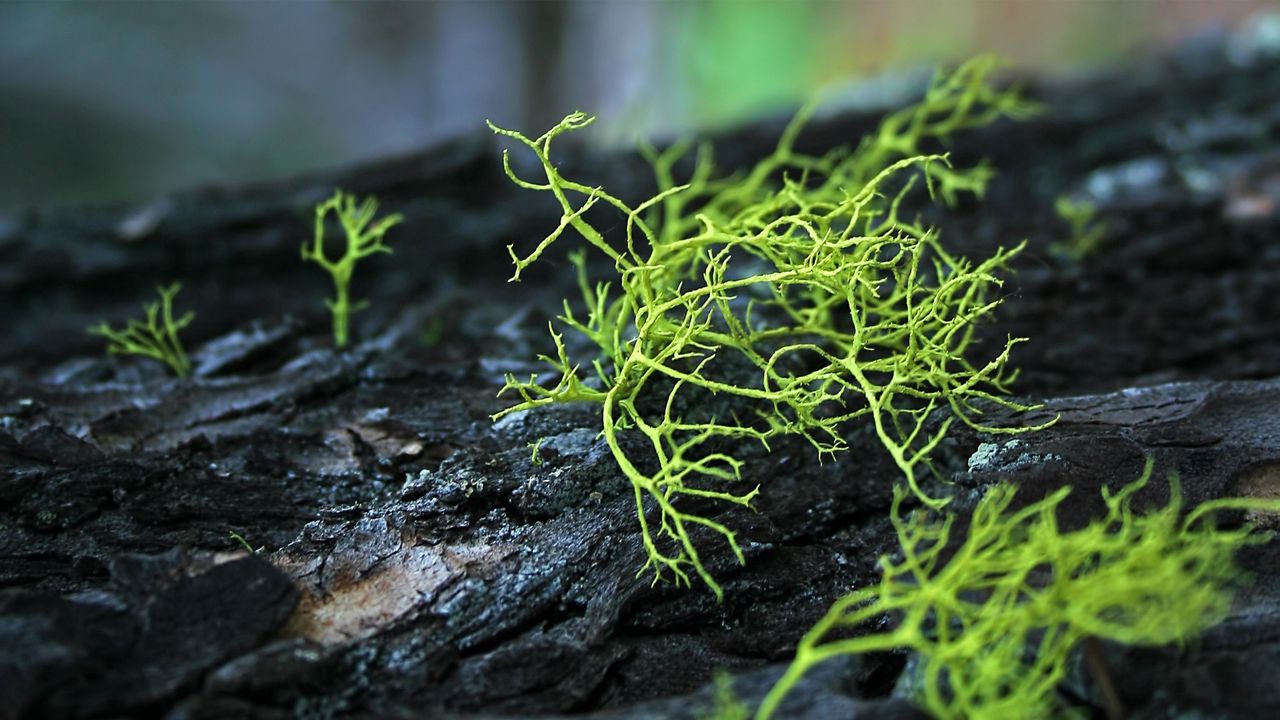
(407, 557)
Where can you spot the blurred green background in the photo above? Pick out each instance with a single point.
(112, 101)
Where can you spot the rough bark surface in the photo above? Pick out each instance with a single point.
(411, 560)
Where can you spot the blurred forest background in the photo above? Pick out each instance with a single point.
(111, 101)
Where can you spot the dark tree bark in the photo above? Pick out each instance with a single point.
(410, 558)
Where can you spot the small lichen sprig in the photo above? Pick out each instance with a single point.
(996, 623)
(156, 336)
(364, 237)
(1086, 231)
(803, 271)
(725, 704)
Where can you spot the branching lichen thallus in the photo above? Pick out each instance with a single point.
(363, 238)
(806, 272)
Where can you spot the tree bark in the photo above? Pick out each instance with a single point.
(409, 557)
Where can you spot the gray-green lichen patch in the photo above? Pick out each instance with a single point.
(1011, 455)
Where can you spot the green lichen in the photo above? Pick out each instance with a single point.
(725, 703)
(155, 337)
(789, 300)
(996, 623)
(1086, 231)
(535, 455)
(364, 237)
(240, 539)
(432, 333)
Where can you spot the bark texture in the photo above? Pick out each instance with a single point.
(411, 560)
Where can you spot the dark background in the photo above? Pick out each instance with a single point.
(112, 101)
